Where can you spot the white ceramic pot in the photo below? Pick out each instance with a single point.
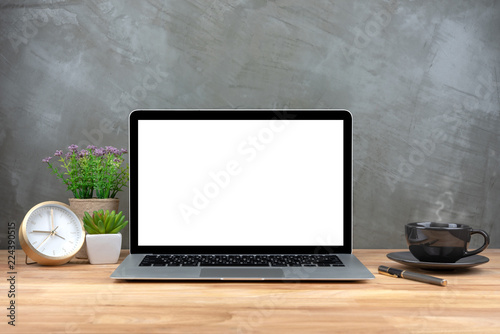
(103, 248)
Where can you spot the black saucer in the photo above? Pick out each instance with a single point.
(466, 262)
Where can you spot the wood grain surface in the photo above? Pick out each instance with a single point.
(81, 298)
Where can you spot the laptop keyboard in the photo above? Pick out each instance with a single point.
(242, 260)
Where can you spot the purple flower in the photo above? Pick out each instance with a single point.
(47, 160)
(113, 150)
(58, 153)
(83, 153)
(68, 155)
(124, 151)
(73, 148)
(91, 147)
(99, 152)
(117, 160)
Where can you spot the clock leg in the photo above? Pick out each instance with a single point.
(26, 261)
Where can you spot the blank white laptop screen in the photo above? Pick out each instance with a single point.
(240, 182)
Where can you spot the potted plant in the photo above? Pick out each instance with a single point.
(104, 239)
(91, 171)
(94, 175)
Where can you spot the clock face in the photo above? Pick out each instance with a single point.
(54, 231)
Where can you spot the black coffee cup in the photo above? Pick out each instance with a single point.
(439, 242)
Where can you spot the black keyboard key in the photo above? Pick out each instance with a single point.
(235, 265)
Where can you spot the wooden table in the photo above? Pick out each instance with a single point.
(81, 298)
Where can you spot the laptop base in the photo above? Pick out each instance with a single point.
(129, 269)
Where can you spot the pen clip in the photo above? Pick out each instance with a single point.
(387, 274)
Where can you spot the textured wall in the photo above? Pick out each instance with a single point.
(420, 77)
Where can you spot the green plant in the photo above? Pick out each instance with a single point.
(104, 222)
(102, 171)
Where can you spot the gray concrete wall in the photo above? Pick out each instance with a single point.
(420, 78)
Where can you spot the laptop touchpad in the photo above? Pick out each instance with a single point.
(241, 273)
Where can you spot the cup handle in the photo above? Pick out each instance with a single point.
(483, 247)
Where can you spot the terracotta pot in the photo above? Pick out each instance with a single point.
(80, 206)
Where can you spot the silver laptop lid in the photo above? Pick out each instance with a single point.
(240, 181)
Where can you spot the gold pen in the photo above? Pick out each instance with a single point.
(393, 272)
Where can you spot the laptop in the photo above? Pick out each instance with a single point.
(241, 195)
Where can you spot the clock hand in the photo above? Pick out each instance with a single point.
(36, 231)
(51, 233)
(52, 218)
(57, 235)
(44, 240)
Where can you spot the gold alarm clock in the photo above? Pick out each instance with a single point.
(51, 233)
